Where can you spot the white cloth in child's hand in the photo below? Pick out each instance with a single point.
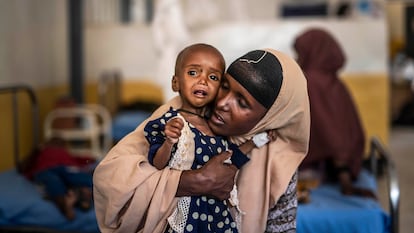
(260, 139)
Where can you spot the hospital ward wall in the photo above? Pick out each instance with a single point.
(130, 50)
(365, 42)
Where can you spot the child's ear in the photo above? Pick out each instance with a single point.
(174, 84)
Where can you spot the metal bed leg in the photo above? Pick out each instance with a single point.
(377, 148)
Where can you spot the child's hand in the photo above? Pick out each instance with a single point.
(272, 135)
(263, 138)
(173, 129)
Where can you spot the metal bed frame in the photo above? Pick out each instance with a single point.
(380, 156)
(95, 130)
(14, 90)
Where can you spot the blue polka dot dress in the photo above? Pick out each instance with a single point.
(205, 214)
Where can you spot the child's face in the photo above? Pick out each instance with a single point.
(199, 77)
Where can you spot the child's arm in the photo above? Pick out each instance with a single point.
(258, 140)
(247, 146)
(240, 153)
(172, 132)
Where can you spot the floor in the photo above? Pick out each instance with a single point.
(401, 148)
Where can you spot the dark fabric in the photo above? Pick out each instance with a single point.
(53, 156)
(58, 179)
(282, 217)
(154, 131)
(238, 158)
(336, 130)
(206, 147)
(265, 75)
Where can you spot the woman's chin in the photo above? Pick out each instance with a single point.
(217, 125)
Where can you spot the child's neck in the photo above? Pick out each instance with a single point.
(191, 112)
(196, 118)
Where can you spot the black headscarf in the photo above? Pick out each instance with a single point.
(264, 78)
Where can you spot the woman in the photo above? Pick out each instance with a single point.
(263, 90)
(337, 139)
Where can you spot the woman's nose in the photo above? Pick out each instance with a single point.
(222, 102)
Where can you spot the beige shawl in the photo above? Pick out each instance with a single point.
(132, 196)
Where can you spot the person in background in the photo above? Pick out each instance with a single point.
(262, 90)
(67, 179)
(337, 139)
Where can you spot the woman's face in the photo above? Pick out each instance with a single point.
(236, 111)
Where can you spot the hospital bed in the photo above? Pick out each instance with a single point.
(330, 211)
(23, 208)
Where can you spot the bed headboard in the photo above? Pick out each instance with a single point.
(15, 91)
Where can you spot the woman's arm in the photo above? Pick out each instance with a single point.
(214, 179)
(129, 193)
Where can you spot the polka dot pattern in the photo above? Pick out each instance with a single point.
(205, 214)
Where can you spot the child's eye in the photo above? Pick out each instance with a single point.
(192, 72)
(215, 77)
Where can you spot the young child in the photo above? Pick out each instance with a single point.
(67, 180)
(182, 139)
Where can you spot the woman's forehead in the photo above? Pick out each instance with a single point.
(260, 73)
(237, 88)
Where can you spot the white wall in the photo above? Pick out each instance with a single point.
(364, 41)
(33, 42)
(131, 49)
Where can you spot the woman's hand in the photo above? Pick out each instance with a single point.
(215, 179)
(219, 176)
